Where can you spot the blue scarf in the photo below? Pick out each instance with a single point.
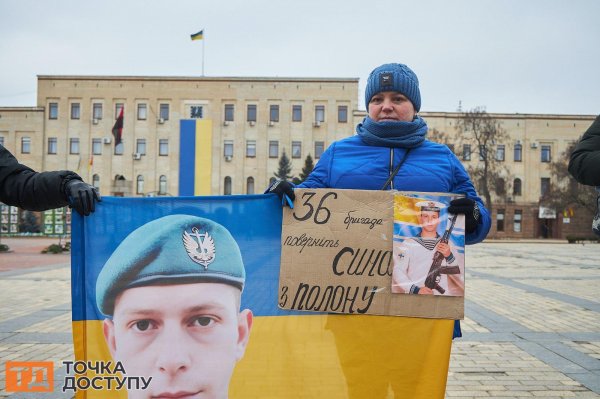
(393, 134)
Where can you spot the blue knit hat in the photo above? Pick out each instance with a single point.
(175, 249)
(394, 77)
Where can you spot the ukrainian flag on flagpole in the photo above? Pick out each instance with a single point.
(198, 36)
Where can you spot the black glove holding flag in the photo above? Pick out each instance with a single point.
(81, 196)
(469, 208)
(285, 192)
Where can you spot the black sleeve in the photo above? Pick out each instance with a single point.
(584, 164)
(23, 187)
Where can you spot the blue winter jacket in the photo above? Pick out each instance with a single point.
(431, 167)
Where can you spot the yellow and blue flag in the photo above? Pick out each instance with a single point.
(288, 354)
(198, 36)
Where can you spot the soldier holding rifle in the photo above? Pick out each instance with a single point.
(416, 268)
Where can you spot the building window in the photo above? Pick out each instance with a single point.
(96, 181)
(97, 146)
(544, 186)
(250, 185)
(228, 149)
(1, 140)
(500, 220)
(162, 185)
(250, 148)
(229, 110)
(52, 145)
(517, 186)
(163, 147)
(140, 146)
(53, 111)
(500, 186)
(163, 112)
(274, 113)
(75, 111)
(482, 152)
(517, 220)
(342, 114)
(25, 145)
(119, 149)
(466, 155)
(296, 149)
(319, 113)
(97, 111)
(518, 152)
(139, 187)
(450, 147)
(500, 152)
(319, 148)
(118, 109)
(296, 113)
(273, 149)
(74, 146)
(251, 114)
(142, 112)
(546, 154)
(227, 186)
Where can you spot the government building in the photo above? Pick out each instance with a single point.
(225, 135)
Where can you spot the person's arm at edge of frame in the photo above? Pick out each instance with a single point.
(464, 185)
(38, 191)
(584, 163)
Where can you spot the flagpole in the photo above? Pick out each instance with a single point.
(203, 40)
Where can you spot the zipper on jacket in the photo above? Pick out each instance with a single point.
(391, 167)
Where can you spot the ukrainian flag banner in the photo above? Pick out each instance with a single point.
(179, 296)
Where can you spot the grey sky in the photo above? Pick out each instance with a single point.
(525, 56)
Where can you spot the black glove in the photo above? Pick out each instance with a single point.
(469, 208)
(285, 192)
(81, 196)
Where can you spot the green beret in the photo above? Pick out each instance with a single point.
(175, 249)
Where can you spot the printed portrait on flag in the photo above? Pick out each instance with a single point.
(189, 344)
(428, 246)
(184, 290)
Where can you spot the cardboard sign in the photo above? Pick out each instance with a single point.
(337, 256)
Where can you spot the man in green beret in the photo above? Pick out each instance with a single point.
(172, 293)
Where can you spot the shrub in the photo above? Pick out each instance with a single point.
(57, 248)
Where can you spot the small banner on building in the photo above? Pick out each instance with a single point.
(546, 213)
(179, 296)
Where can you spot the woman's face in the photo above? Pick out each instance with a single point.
(391, 106)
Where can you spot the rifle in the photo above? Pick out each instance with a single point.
(436, 269)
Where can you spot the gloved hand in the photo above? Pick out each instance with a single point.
(285, 192)
(469, 208)
(81, 196)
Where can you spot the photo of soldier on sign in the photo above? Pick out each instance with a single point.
(428, 247)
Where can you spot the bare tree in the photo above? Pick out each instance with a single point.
(486, 137)
(565, 192)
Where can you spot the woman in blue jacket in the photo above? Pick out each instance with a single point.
(390, 151)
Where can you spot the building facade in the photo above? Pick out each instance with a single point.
(248, 124)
